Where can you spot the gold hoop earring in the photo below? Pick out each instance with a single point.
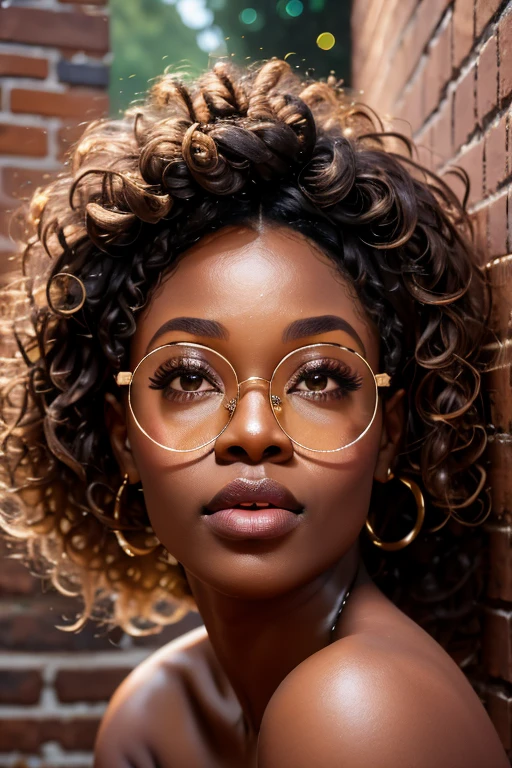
(130, 549)
(394, 546)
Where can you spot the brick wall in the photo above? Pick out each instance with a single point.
(53, 685)
(442, 72)
(53, 74)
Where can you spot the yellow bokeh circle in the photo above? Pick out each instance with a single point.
(326, 41)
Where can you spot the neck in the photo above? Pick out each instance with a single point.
(259, 642)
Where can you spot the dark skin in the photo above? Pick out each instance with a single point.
(261, 684)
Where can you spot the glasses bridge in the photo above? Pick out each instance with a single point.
(276, 401)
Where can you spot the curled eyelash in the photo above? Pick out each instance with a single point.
(175, 366)
(350, 380)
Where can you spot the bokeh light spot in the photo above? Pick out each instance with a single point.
(248, 16)
(281, 9)
(294, 8)
(326, 41)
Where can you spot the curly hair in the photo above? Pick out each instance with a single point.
(232, 147)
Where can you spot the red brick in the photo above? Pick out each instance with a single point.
(485, 10)
(499, 389)
(17, 140)
(464, 108)
(427, 18)
(381, 30)
(30, 625)
(424, 147)
(487, 78)
(78, 103)
(66, 137)
(509, 244)
(442, 134)
(12, 65)
(495, 155)
(19, 183)
(438, 68)
(35, 26)
(472, 162)
(88, 684)
(499, 585)
(497, 644)
(15, 579)
(505, 53)
(413, 43)
(5, 221)
(498, 227)
(28, 735)
(8, 269)
(20, 686)
(413, 109)
(480, 221)
(463, 31)
(480, 224)
(500, 471)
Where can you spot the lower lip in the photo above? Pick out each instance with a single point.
(252, 524)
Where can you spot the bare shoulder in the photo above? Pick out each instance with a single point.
(150, 708)
(380, 700)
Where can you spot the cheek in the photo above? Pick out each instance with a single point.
(173, 490)
(339, 495)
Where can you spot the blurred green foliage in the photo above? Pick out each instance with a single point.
(150, 35)
(143, 32)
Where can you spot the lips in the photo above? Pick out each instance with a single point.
(243, 491)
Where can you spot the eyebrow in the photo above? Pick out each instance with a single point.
(308, 326)
(313, 326)
(196, 326)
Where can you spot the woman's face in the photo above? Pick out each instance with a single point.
(255, 285)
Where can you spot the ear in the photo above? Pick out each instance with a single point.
(393, 421)
(115, 419)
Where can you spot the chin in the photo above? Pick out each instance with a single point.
(262, 570)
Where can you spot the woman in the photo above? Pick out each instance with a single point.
(254, 355)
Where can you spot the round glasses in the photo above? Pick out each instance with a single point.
(182, 396)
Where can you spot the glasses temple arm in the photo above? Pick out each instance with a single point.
(383, 379)
(123, 378)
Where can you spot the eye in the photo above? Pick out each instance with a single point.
(324, 379)
(317, 382)
(186, 378)
(190, 382)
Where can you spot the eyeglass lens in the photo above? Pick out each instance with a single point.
(323, 397)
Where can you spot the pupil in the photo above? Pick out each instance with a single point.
(316, 382)
(190, 382)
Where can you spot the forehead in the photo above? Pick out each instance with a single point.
(255, 283)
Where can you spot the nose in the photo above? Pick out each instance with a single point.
(253, 434)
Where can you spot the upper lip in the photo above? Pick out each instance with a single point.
(244, 490)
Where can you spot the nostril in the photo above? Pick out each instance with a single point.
(272, 450)
(237, 452)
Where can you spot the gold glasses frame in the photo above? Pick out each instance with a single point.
(125, 378)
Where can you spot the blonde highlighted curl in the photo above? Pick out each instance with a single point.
(233, 146)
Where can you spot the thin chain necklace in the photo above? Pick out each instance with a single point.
(344, 600)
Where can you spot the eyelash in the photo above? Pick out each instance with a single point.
(334, 369)
(171, 369)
